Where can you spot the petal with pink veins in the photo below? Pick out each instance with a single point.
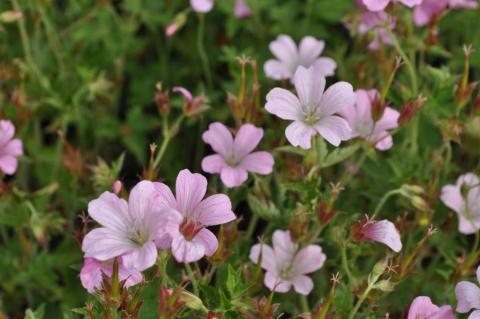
(233, 176)
(103, 244)
(214, 210)
(213, 164)
(468, 296)
(208, 240)
(219, 138)
(190, 189)
(334, 129)
(110, 211)
(141, 258)
(246, 140)
(302, 284)
(300, 134)
(283, 104)
(309, 86)
(267, 255)
(258, 162)
(309, 259)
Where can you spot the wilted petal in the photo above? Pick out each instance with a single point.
(219, 138)
(303, 284)
(383, 232)
(246, 140)
(103, 244)
(213, 164)
(300, 134)
(283, 104)
(334, 129)
(190, 189)
(267, 255)
(309, 85)
(233, 176)
(468, 296)
(309, 259)
(258, 162)
(214, 210)
(110, 211)
(183, 91)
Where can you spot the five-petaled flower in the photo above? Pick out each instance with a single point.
(10, 148)
(464, 199)
(190, 239)
(234, 155)
(359, 116)
(423, 308)
(286, 265)
(468, 297)
(290, 57)
(313, 111)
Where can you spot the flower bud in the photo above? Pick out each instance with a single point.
(190, 300)
(378, 108)
(408, 110)
(176, 24)
(162, 100)
(384, 285)
(117, 187)
(10, 16)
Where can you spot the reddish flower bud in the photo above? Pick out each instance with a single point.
(408, 110)
(378, 107)
(162, 100)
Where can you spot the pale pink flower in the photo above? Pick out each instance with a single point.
(241, 9)
(130, 230)
(468, 297)
(235, 156)
(290, 57)
(202, 6)
(383, 231)
(359, 116)
(379, 5)
(424, 13)
(313, 110)
(92, 270)
(10, 148)
(375, 23)
(286, 264)
(191, 240)
(423, 308)
(464, 199)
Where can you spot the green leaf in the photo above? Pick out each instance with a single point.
(37, 314)
(264, 209)
(339, 155)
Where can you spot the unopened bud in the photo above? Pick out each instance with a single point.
(176, 24)
(190, 300)
(162, 100)
(408, 110)
(10, 16)
(117, 187)
(384, 285)
(419, 203)
(463, 93)
(378, 107)
(476, 105)
(377, 271)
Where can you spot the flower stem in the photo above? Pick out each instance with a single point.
(193, 280)
(360, 301)
(251, 226)
(201, 48)
(383, 201)
(304, 303)
(345, 264)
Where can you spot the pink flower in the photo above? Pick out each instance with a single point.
(92, 270)
(286, 265)
(171, 29)
(423, 308)
(382, 231)
(469, 4)
(129, 229)
(468, 297)
(235, 157)
(289, 57)
(313, 110)
(359, 116)
(429, 9)
(464, 199)
(376, 23)
(202, 6)
(10, 148)
(379, 5)
(241, 9)
(191, 240)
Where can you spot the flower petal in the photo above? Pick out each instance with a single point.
(233, 176)
(213, 164)
(303, 284)
(473, 315)
(190, 189)
(309, 259)
(103, 244)
(274, 283)
(110, 211)
(13, 148)
(277, 70)
(325, 66)
(334, 129)
(7, 131)
(246, 140)
(421, 307)
(241, 9)
(376, 5)
(383, 232)
(208, 240)
(267, 255)
(385, 142)
(309, 85)
(186, 251)
(141, 200)
(388, 121)
(309, 50)
(214, 210)
(8, 164)
(283, 246)
(284, 49)
(219, 138)
(337, 97)
(468, 296)
(163, 197)
(283, 104)
(141, 258)
(452, 198)
(201, 6)
(91, 274)
(258, 162)
(300, 134)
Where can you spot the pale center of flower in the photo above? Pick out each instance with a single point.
(139, 236)
(286, 271)
(364, 127)
(310, 115)
(232, 160)
(190, 228)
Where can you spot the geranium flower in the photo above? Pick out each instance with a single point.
(423, 308)
(424, 13)
(290, 57)
(235, 157)
(10, 148)
(379, 5)
(383, 231)
(130, 230)
(92, 270)
(286, 265)
(468, 297)
(376, 24)
(464, 199)
(359, 116)
(241, 9)
(313, 110)
(191, 240)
